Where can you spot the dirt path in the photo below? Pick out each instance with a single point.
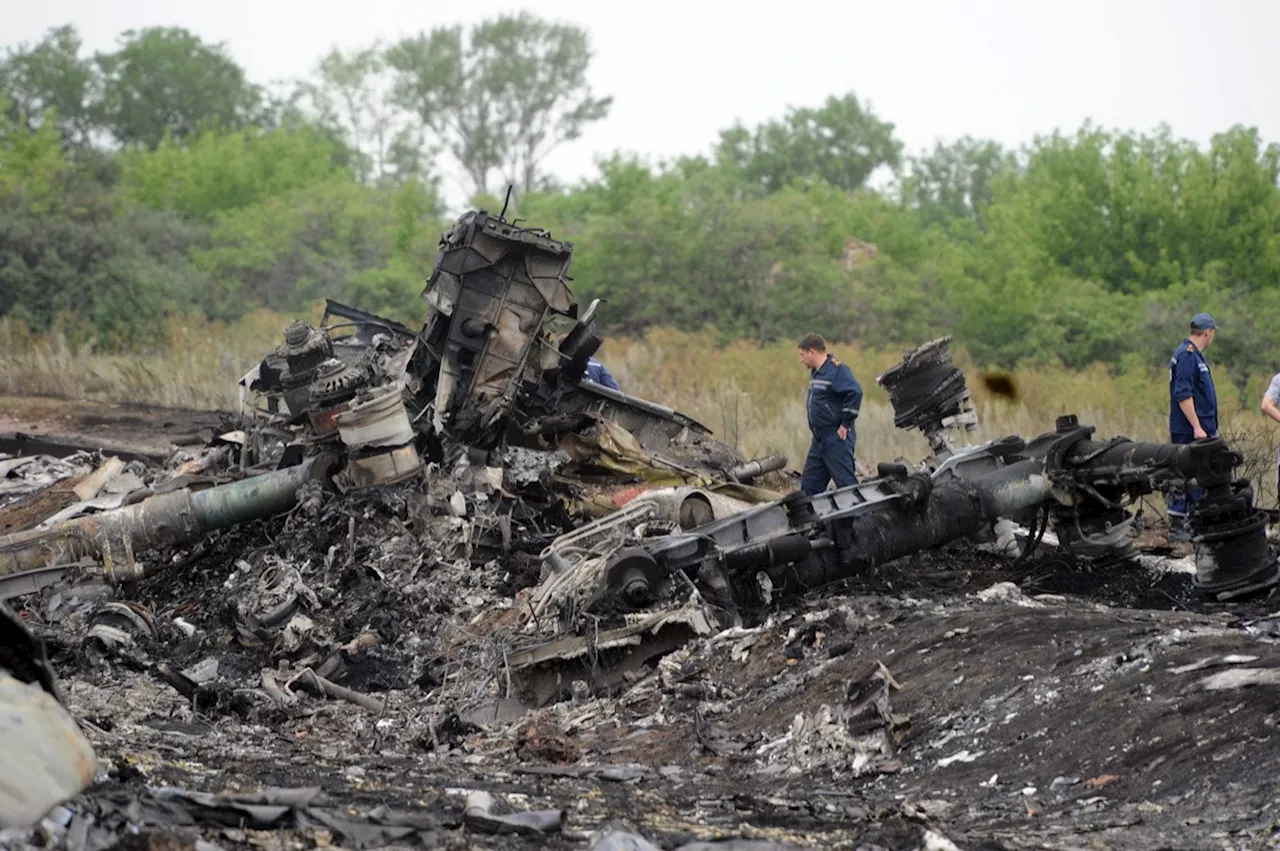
(126, 430)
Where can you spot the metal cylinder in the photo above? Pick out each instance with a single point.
(1011, 490)
(954, 509)
(376, 419)
(1132, 462)
(248, 499)
(1232, 555)
(162, 520)
(758, 467)
(772, 552)
(690, 506)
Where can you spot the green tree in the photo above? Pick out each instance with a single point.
(842, 142)
(1232, 211)
(953, 183)
(337, 238)
(684, 249)
(52, 76)
(218, 171)
(168, 82)
(1139, 213)
(503, 97)
(69, 246)
(351, 92)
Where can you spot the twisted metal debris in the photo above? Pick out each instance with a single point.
(445, 544)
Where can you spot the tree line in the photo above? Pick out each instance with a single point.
(159, 178)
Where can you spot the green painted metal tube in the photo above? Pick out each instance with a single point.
(248, 499)
(166, 519)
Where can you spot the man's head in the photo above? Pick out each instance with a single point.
(1202, 329)
(813, 350)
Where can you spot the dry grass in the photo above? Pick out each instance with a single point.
(195, 368)
(751, 396)
(754, 396)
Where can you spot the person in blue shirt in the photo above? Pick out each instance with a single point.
(1193, 402)
(1193, 411)
(598, 374)
(833, 402)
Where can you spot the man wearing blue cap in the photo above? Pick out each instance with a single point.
(1193, 410)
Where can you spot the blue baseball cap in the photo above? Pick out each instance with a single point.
(1202, 322)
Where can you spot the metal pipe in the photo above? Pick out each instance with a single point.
(954, 509)
(162, 520)
(758, 467)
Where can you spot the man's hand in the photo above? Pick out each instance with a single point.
(1199, 432)
(843, 431)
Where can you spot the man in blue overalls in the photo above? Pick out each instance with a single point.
(833, 403)
(1193, 412)
(599, 374)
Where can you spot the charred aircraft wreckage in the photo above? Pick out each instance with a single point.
(660, 533)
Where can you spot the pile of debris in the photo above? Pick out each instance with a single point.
(432, 585)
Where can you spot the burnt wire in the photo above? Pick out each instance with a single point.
(1038, 527)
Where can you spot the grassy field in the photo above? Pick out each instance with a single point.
(751, 396)
(196, 366)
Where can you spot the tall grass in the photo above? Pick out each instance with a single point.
(751, 396)
(196, 366)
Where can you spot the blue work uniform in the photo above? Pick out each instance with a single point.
(834, 399)
(1189, 377)
(597, 373)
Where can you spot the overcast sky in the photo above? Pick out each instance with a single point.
(680, 71)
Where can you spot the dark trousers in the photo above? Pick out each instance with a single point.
(830, 459)
(1178, 497)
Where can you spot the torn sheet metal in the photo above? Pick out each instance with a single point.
(603, 659)
(655, 426)
(30, 473)
(608, 446)
(478, 813)
(366, 325)
(112, 494)
(89, 486)
(44, 758)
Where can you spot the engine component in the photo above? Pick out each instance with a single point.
(492, 289)
(330, 393)
(383, 468)
(803, 542)
(376, 429)
(304, 349)
(375, 419)
(928, 392)
(165, 519)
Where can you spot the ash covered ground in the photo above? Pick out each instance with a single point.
(954, 698)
